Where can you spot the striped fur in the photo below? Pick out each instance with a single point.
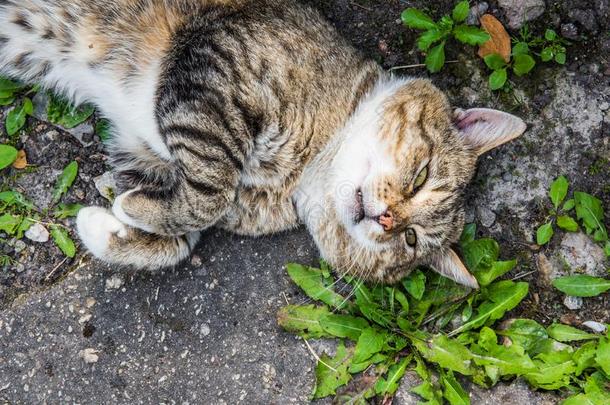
(252, 115)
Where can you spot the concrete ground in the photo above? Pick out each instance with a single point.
(77, 331)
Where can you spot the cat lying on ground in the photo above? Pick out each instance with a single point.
(254, 116)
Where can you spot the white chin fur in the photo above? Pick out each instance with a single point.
(95, 226)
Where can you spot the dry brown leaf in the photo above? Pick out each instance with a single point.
(21, 162)
(500, 40)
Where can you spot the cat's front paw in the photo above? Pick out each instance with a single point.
(96, 226)
(120, 206)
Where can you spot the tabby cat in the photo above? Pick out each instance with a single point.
(254, 116)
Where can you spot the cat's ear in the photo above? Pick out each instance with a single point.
(448, 264)
(484, 129)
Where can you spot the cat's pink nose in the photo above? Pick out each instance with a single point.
(386, 220)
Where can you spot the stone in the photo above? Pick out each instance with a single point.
(89, 355)
(114, 283)
(579, 252)
(37, 233)
(106, 185)
(596, 327)
(476, 11)
(519, 12)
(19, 246)
(569, 31)
(572, 303)
(586, 18)
(486, 216)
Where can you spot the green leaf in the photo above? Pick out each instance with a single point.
(566, 333)
(560, 58)
(479, 255)
(470, 35)
(15, 119)
(103, 129)
(558, 191)
(369, 343)
(501, 296)
(589, 210)
(584, 357)
(602, 356)
(358, 367)
(67, 210)
(544, 234)
(453, 391)
(582, 285)
(312, 283)
(303, 320)
(15, 198)
(499, 360)
(567, 223)
(64, 181)
(371, 310)
(10, 85)
(553, 370)
(525, 332)
(6, 101)
(436, 58)
(497, 79)
(414, 18)
(607, 249)
(447, 353)
(569, 205)
(343, 326)
(62, 240)
(468, 234)
(327, 379)
(521, 48)
(498, 269)
(494, 61)
(460, 11)
(429, 37)
(8, 154)
(389, 384)
(550, 35)
(25, 224)
(523, 64)
(61, 112)
(546, 54)
(415, 284)
(427, 391)
(9, 223)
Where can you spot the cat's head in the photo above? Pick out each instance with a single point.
(399, 178)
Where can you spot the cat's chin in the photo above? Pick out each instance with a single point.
(367, 233)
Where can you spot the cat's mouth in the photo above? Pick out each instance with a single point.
(361, 211)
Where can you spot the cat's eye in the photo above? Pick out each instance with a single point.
(411, 237)
(421, 178)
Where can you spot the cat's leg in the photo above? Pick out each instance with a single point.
(110, 240)
(259, 212)
(206, 170)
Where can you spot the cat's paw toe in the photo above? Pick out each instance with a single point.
(96, 226)
(119, 212)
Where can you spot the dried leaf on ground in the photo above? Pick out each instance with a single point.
(21, 162)
(500, 40)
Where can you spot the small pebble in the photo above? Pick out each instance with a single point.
(114, 283)
(597, 327)
(604, 105)
(205, 329)
(572, 303)
(476, 11)
(19, 246)
(37, 233)
(90, 355)
(569, 31)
